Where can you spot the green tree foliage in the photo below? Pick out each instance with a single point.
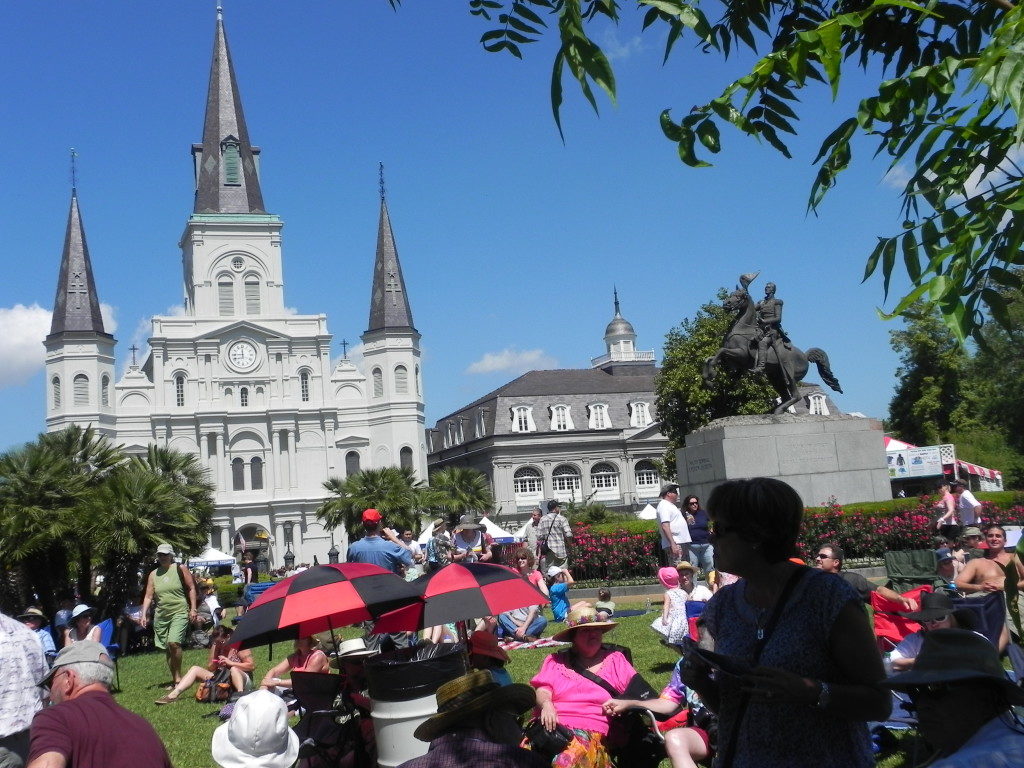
(71, 501)
(948, 394)
(459, 491)
(948, 109)
(932, 379)
(393, 491)
(684, 401)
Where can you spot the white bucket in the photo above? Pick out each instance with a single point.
(394, 723)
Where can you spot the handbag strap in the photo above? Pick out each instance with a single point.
(763, 636)
(583, 672)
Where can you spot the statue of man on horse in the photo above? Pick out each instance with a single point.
(757, 343)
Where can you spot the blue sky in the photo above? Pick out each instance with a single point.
(510, 240)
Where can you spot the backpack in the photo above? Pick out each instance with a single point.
(217, 688)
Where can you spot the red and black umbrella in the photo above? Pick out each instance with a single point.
(320, 599)
(462, 591)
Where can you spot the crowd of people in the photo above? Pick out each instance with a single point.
(778, 663)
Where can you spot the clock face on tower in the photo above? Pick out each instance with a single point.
(242, 355)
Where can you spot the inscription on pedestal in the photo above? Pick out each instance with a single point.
(807, 453)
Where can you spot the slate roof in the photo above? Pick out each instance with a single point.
(76, 307)
(389, 302)
(224, 119)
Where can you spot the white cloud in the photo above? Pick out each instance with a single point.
(616, 50)
(108, 313)
(897, 177)
(513, 361)
(22, 330)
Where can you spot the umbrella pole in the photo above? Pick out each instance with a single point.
(460, 627)
(334, 640)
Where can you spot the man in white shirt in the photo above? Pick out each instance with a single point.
(675, 535)
(968, 508)
(20, 694)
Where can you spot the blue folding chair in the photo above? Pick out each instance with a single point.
(113, 649)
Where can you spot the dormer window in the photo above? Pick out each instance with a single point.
(599, 416)
(561, 418)
(522, 419)
(231, 161)
(816, 405)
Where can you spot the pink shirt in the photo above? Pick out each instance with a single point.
(578, 700)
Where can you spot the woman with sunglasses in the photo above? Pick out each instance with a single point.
(803, 670)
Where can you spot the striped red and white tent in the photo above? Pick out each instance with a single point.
(892, 444)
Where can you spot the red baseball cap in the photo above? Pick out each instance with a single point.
(371, 516)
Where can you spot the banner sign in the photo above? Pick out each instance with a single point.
(914, 462)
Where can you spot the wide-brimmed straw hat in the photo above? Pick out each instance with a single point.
(467, 523)
(956, 655)
(582, 617)
(467, 695)
(257, 735)
(34, 613)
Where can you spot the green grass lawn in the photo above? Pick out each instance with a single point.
(187, 734)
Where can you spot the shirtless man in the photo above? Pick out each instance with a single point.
(985, 574)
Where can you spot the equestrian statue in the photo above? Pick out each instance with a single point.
(755, 342)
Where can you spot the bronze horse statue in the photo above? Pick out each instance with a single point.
(785, 366)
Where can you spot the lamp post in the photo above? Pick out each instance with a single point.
(262, 563)
(332, 553)
(289, 559)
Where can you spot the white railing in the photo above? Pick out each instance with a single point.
(624, 357)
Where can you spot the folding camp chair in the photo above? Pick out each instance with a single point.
(890, 628)
(989, 613)
(910, 568)
(113, 649)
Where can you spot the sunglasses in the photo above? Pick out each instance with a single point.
(935, 620)
(822, 556)
(693, 503)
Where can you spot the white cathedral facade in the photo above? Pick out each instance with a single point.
(237, 380)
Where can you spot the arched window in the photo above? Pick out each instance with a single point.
(417, 380)
(405, 458)
(81, 389)
(522, 419)
(639, 414)
(256, 472)
(304, 386)
(599, 416)
(351, 463)
(179, 390)
(105, 391)
(646, 477)
(527, 484)
(561, 418)
(604, 479)
(401, 380)
(238, 474)
(243, 397)
(252, 295)
(378, 383)
(55, 385)
(816, 405)
(226, 296)
(565, 479)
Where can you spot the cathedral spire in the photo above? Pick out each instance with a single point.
(389, 303)
(225, 164)
(76, 306)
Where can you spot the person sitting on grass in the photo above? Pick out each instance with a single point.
(307, 658)
(487, 655)
(240, 663)
(936, 613)
(604, 605)
(559, 581)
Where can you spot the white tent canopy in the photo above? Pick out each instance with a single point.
(496, 532)
(209, 558)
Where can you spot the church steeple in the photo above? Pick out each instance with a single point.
(389, 303)
(227, 178)
(76, 307)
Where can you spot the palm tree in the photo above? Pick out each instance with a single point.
(189, 478)
(460, 491)
(40, 493)
(138, 508)
(393, 491)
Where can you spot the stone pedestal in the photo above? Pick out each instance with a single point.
(820, 456)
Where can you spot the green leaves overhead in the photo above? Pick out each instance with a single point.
(948, 115)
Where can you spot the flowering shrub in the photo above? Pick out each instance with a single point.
(604, 553)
